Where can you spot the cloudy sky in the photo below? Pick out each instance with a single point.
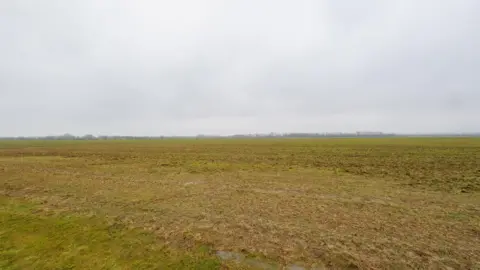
(221, 67)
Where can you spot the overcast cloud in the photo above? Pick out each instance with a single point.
(222, 67)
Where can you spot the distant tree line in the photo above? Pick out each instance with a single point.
(84, 137)
(68, 136)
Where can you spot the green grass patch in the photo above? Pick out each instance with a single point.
(32, 240)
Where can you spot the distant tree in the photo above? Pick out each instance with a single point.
(89, 137)
(67, 136)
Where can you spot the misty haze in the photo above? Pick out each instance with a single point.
(239, 134)
(216, 67)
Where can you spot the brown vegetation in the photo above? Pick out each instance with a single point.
(335, 203)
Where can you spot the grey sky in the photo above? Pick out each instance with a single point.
(222, 67)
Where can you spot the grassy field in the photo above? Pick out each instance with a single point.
(266, 203)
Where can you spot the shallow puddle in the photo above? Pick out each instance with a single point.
(254, 262)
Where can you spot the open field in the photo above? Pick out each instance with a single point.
(326, 203)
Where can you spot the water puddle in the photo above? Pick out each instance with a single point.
(254, 262)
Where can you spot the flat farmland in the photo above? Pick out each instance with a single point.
(360, 203)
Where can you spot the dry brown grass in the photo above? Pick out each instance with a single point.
(369, 204)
